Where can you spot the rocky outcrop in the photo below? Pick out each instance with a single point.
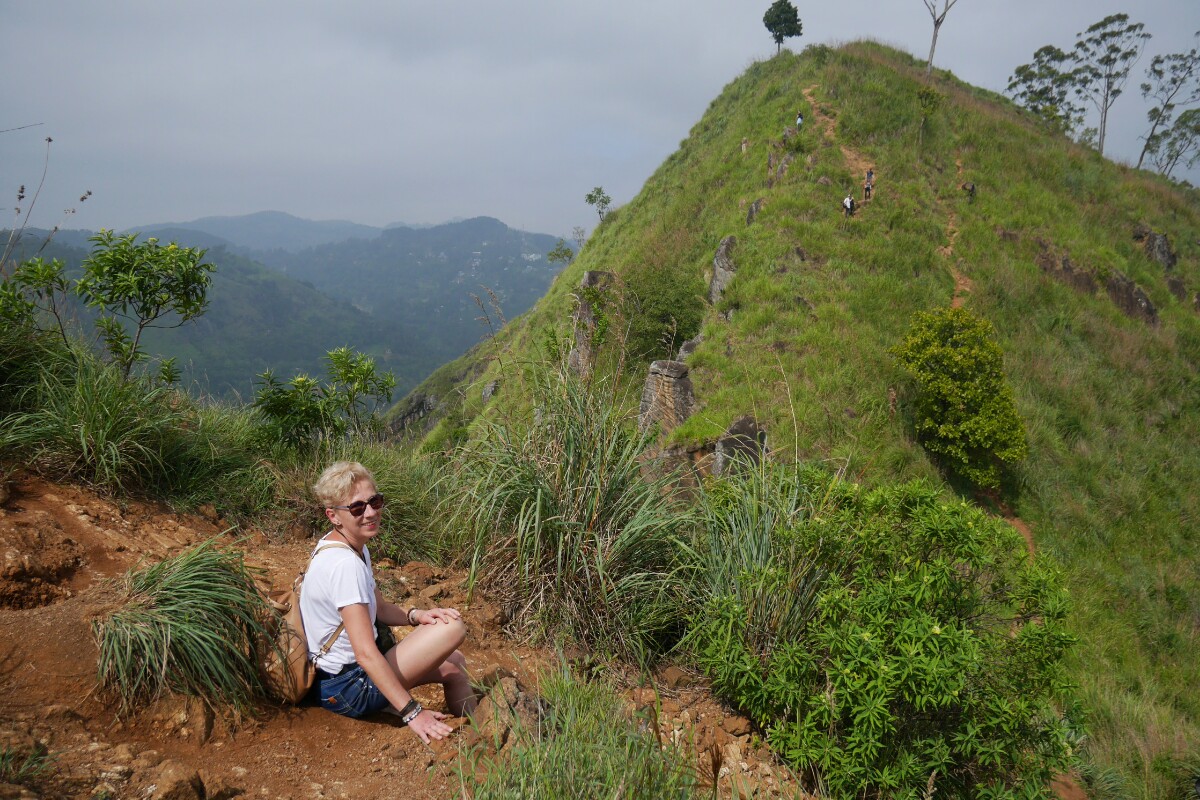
(489, 390)
(417, 407)
(744, 442)
(689, 347)
(1157, 246)
(1063, 271)
(755, 208)
(582, 357)
(723, 269)
(667, 397)
(1130, 298)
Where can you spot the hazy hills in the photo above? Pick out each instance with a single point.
(1101, 338)
(404, 297)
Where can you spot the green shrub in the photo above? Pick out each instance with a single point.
(588, 747)
(662, 308)
(931, 648)
(190, 624)
(25, 767)
(964, 410)
(567, 529)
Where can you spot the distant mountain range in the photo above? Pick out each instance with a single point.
(288, 290)
(273, 230)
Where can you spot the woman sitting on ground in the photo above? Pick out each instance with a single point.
(353, 677)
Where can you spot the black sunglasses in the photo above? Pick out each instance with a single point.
(359, 507)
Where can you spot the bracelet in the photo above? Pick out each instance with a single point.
(410, 711)
(411, 611)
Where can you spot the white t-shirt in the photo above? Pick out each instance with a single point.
(335, 579)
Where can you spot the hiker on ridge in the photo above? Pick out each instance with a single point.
(848, 205)
(969, 188)
(799, 119)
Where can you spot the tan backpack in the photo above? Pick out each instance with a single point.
(288, 670)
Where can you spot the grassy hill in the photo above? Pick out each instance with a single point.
(801, 338)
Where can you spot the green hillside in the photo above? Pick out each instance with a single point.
(801, 339)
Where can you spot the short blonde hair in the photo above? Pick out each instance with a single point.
(337, 481)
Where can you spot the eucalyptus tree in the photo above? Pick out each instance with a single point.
(1104, 55)
(1173, 80)
(1045, 88)
(938, 18)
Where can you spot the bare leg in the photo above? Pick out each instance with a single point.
(429, 654)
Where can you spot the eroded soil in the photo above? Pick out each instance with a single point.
(60, 544)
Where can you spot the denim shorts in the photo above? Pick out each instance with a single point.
(351, 693)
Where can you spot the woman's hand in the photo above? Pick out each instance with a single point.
(428, 725)
(433, 616)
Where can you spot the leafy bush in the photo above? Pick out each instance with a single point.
(588, 747)
(190, 624)
(567, 529)
(929, 654)
(661, 308)
(304, 411)
(964, 409)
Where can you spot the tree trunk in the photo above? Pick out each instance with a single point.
(937, 23)
(1146, 146)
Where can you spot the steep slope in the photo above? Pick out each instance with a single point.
(1059, 249)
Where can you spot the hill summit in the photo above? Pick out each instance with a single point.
(1088, 271)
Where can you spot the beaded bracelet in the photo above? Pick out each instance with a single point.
(410, 711)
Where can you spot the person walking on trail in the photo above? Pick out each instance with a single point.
(969, 188)
(799, 119)
(867, 187)
(870, 175)
(848, 205)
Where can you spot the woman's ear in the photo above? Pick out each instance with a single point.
(332, 516)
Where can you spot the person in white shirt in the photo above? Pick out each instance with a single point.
(340, 599)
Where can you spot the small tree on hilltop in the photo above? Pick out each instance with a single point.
(598, 198)
(964, 410)
(783, 22)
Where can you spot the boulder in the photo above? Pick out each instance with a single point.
(582, 356)
(667, 397)
(723, 269)
(744, 441)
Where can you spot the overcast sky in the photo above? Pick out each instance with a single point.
(381, 111)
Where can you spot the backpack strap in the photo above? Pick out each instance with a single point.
(327, 645)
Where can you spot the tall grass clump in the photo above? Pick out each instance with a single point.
(191, 625)
(568, 532)
(588, 746)
(94, 426)
(922, 650)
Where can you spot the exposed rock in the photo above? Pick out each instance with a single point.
(12, 791)
(418, 407)
(509, 706)
(1156, 245)
(217, 787)
(723, 269)
(1130, 298)
(755, 208)
(582, 356)
(667, 397)
(173, 780)
(489, 390)
(735, 725)
(824, 181)
(689, 347)
(1177, 287)
(674, 677)
(1063, 271)
(743, 441)
(689, 464)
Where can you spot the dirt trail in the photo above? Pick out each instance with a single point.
(58, 544)
(962, 284)
(857, 162)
